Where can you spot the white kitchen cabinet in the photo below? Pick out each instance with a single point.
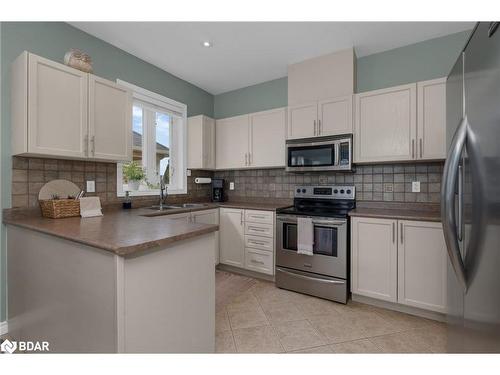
(110, 120)
(61, 112)
(267, 138)
(422, 263)
(232, 244)
(385, 124)
(231, 142)
(374, 258)
(431, 119)
(208, 217)
(201, 142)
(49, 108)
(302, 121)
(335, 116)
(259, 261)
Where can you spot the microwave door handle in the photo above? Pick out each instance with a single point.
(336, 151)
(450, 174)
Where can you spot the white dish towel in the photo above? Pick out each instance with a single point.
(305, 235)
(90, 207)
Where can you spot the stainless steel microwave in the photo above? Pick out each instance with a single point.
(331, 153)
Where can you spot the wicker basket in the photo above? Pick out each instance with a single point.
(59, 208)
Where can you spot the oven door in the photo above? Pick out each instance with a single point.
(329, 248)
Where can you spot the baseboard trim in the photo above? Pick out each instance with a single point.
(241, 271)
(4, 328)
(401, 308)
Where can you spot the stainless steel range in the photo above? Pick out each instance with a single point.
(325, 272)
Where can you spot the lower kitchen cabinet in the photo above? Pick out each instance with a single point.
(374, 258)
(232, 244)
(399, 261)
(208, 217)
(422, 263)
(247, 239)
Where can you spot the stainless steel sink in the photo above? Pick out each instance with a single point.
(165, 207)
(193, 205)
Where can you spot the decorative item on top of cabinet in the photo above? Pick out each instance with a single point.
(201, 142)
(77, 59)
(385, 124)
(61, 112)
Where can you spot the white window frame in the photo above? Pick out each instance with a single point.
(180, 167)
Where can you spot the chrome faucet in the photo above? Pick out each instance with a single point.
(163, 189)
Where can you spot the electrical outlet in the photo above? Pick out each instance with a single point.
(90, 186)
(231, 186)
(188, 172)
(415, 187)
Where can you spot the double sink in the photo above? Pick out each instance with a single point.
(173, 207)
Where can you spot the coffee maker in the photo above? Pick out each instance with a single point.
(217, 190)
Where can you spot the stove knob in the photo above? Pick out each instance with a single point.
(304, 191)
(348, 191)
(298, 190)
(342, 191)
(335, 191)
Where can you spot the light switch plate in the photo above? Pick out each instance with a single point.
(415, 186)
(90, 186)
(231, 186)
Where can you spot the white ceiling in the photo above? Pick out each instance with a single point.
(247, 53)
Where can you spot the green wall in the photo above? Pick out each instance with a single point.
(52, 40)
(267, 95)
(430, 59)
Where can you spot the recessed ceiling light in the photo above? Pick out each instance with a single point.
(207, 44)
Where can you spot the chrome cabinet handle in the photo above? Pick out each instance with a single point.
(451, 169)
(401, 229)
(93, 145)
(393, 232)
(241, 218)
(258, 243)
(86, 143)
(413, 149)
(257, 229)
(421, 149)
(246, 158)
(319, 127)
(315, 131)
(249, 158)
(257, 261)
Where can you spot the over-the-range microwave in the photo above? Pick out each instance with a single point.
(330, 153)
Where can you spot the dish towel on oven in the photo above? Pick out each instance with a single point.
(305, 235)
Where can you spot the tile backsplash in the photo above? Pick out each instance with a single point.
(385, 182)
(30, 174)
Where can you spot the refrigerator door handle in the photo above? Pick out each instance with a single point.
(451, 170)
(460, 201)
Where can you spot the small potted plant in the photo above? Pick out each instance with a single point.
(133, 174)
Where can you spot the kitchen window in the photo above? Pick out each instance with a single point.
(158, 142)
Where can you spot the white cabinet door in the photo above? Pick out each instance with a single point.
(374, 258)
(110, 120)
(422, 263)
(385, 124)
(232, 243)
(231, 142)
(267, 138)
(431, 119)
(209, 217)
(302, 121)
(335, 116)
(201, 142)
(57, 108)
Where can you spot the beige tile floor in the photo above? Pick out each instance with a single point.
(259, 318)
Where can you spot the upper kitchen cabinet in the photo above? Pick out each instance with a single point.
(49, 108)
(385, 124)
(110, 120)
(267, 138)
(323, 77)
(231, 142)
(431, 119)
(58, 111)
(335, 116)
(302, 121)
(256, 140)
(201, 142)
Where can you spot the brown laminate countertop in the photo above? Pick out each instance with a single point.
(122, 232)
(397, 213)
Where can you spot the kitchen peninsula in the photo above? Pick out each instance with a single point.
(123, 282)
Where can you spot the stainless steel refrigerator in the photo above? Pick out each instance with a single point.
(470, 195)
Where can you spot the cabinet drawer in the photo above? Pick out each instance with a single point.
(257, 242)
(253, 216)
(258, 229)
(259, 261)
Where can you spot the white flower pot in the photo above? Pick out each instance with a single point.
(134, 185)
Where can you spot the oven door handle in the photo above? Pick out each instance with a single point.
(299, 276)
